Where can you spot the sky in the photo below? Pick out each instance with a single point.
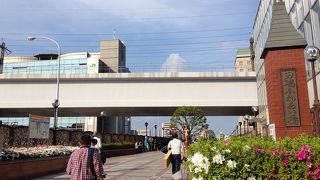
(189, 35)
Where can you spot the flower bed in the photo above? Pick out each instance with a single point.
(255, 158)
(35, 152)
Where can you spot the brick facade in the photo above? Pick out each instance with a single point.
(285, 59)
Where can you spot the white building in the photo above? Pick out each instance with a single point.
(242, 62)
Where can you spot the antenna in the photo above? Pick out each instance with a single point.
(114, 34)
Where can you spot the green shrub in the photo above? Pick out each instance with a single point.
(255, 158)
(115, 146)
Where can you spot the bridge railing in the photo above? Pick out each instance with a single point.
(74, 68)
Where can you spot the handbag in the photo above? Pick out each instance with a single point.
(164, 149)
(166, 159)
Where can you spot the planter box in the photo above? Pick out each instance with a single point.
(119, 152)
(30, 168)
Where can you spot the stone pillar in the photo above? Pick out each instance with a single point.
(287, 92)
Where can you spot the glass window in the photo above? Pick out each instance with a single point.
(308, 30)
(306, 7)
(299, 12)
(316, 23)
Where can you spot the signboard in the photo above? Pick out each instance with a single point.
(272, 131)
(39, 127)
(290, 98)
(92, 65)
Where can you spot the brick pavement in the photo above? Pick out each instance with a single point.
(143, 166)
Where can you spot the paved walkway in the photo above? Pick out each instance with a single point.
(141, 166)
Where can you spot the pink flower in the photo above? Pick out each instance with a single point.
(305, 148)
(318, 172)
(226, 142)
(258, 150)
(285, 162)
(283, 152)
(309, 164)
(274, 152)
(310, 172)
(301, 156)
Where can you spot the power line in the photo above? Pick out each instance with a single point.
(147, 45)
(145, 38)
(132, 33)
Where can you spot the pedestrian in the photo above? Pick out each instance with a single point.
(98, 145)
(177, 149)
(146, 144)
(85, 163)
(94, 143)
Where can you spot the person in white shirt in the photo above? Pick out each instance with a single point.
(98, 145)
(177, 149)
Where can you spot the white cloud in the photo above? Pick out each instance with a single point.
(174, 63)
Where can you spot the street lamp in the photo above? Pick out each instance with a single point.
(255, 110)
(129, 125)
(246, 117)
(240, 123)
(103, 115)
(162, 131)
(146, 124)
(312, 54)
(56, 102)
(155, 130)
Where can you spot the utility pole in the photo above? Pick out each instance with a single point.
(3, 49)
(252, 56)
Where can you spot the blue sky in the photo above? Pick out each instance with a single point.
(202, 34)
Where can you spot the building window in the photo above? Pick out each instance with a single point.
(308, 30)
(241, 70)
(316, 23)
(241, 63)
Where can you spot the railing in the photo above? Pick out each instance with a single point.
(74, 68)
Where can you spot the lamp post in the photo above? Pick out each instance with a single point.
(246, 117)
(240, 123)
(162, 131)
(155, 130)
(129, 125)
(56, 102)
(103, 116)
(312, 54)
(255, 110)
(146, 124)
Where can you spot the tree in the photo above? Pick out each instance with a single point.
(211, 134)
(191, 118)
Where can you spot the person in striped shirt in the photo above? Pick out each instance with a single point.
(85, 163)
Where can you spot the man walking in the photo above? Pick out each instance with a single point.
(85, 163)
(177, 149)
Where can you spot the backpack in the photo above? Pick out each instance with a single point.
(90, 162)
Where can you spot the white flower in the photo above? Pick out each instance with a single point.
(199, 178)
(246, 148)
(227, 151)
(247, 167)
(218, 159)
(251, 178)
(200, 162)
(231, 164)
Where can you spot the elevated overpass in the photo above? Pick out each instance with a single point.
(133, 94)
